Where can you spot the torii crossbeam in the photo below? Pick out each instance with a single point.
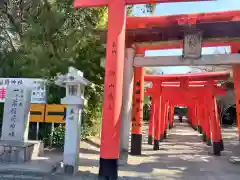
(110, 135)
(97, 3)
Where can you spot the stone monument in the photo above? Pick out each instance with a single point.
(13, 144)
(74, 82)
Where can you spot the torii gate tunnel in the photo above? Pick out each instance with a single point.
(165, 93)
(119, 85)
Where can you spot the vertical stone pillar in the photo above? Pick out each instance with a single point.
(110, 134)
(72, 138)
(126, 113)
(236, 80)
(138, 97)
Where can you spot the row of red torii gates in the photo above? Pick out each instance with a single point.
(127, 40)
(198, 95)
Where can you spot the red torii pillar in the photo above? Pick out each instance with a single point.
(166, 119)
(157, 114)
(193, 120)
(204, 121)
(207, 130)
(199, 114)
(190, 114)
(138, 97)
(214, 124)
(151, 121)
(235, 48)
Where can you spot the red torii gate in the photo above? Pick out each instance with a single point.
(113, 79)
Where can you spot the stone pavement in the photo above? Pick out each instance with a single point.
(182, 157)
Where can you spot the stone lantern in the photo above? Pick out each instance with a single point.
(75, 83)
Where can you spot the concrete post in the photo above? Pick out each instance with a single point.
(126, 112)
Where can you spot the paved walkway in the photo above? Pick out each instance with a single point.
(182, 157)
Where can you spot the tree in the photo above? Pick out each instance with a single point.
(42, 38)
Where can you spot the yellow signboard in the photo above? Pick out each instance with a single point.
(55, 113)
(37, 113)
(48, 113)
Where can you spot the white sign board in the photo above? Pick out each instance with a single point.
(192, 45)
(16, 113)
(38, 87)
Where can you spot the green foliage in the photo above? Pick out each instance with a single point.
(88, 128)
(58, 136)
(49, 36)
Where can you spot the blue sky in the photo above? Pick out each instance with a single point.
(186, 8)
